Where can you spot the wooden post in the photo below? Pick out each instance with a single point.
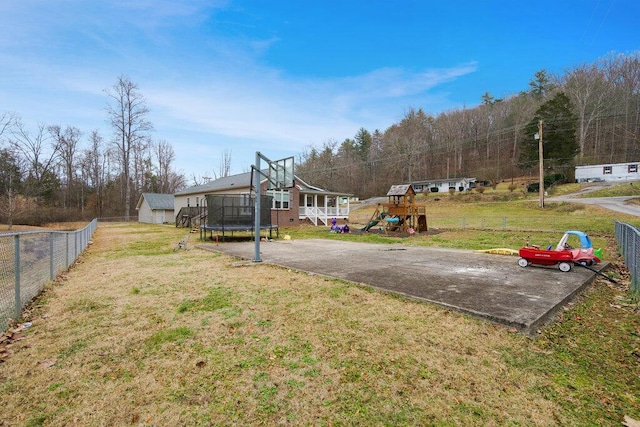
(541, 161)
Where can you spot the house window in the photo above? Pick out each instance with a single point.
(633, 168)
(280, 199)
(607, 170)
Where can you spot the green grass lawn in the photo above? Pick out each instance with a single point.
(628, 189)
(137, 333)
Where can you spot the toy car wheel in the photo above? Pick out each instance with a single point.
(523, 262)
(564, 266)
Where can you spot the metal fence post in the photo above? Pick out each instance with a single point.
(30, 278)
(628, 238)
(51, 261)
(633, 257)
(16, 256)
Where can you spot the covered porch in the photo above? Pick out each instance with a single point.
(321, 207)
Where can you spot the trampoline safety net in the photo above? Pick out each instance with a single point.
(235, 211)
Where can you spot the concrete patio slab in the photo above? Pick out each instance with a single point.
(489, 286)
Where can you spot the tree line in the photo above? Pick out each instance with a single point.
(589, 114)
(62, 173)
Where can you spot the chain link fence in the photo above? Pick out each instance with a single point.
(30, 259)
(628, 238)
(521, 223)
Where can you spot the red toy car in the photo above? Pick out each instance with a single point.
(563, 255)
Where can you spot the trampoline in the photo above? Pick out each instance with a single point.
(229, 213)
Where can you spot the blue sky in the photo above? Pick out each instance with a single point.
(280, 76)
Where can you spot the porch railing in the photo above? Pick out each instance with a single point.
(322, 214)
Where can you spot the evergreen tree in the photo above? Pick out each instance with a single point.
(541, 85)
(558, 135)
(10, 173)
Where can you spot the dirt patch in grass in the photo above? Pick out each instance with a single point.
(137, 333)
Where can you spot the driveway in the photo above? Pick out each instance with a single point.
(488, 286)
(618, 204)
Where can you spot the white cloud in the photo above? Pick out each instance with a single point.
(216, 95)
(277, 108)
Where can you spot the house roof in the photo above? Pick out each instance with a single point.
(310, 189)
(428, 181)
(243, 181)
(157, 201)
(606, 164)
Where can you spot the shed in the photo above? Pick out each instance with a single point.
(155, 208)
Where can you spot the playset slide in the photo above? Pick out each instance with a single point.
(374, 222)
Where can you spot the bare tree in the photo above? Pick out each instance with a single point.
(623, 73)
(10, 177)
(127, 113)
(6, 121)
(40, 158)
(405, 142)
(67, 142)
(590, 94)
(143, 177)
(94, 169)
(164, 156)
(225, 164)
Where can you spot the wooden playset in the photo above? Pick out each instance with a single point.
(400, 212)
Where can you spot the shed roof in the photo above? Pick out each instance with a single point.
(157, 201)
(400, 190)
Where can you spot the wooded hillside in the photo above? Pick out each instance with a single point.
(590, 115)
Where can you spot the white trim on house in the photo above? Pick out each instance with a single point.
(608, 172)
(315, 207)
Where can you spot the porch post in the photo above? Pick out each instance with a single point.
(315, 209)
(326, 210)
(306, 212)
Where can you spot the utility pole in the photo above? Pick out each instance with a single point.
(541, 161)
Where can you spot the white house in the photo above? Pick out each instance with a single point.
(444, 185)
(608, 172)
(155, 208)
